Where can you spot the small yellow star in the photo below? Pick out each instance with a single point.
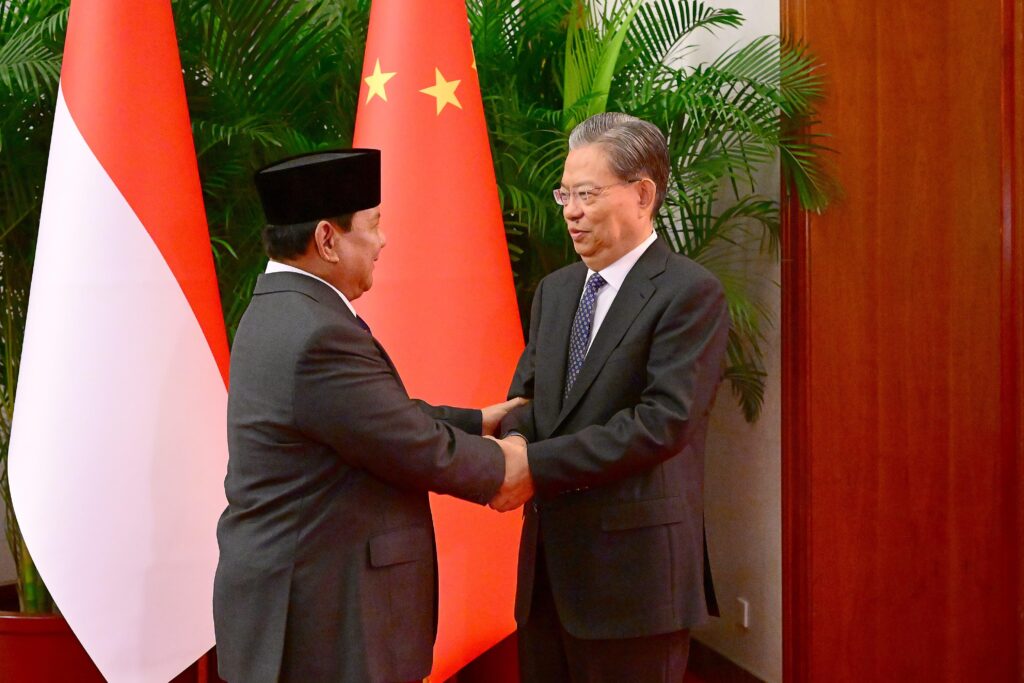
(444, 91)
(375, 83)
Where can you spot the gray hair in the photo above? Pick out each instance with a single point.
(635, 148)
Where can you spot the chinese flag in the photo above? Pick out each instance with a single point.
(118, 449)
(443, 301)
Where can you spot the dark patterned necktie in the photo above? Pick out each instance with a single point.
(581, 325)
(362, 324)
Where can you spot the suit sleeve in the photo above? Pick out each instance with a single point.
(521, 418)
(346, 397)
(469, 420)
(683, 371)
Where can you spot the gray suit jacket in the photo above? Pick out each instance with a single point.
(327, 565)
(619, 465)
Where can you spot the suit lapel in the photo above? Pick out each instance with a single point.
(387, 359)
(634, 294)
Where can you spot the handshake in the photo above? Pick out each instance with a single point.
(517, 488)
(518, 485)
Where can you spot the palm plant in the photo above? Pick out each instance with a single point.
(547, 65)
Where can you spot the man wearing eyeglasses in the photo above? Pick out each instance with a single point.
(624, 356)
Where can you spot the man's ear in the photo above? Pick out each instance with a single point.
(648, 190)
(325, 241)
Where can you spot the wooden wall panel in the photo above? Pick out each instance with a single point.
(902, 333)
(1013, 282)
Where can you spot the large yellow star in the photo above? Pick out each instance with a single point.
(375, 83)
(444, 91)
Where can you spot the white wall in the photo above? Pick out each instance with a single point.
(743, 479)
(743, 512)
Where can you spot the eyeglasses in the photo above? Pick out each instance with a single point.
(587, 195)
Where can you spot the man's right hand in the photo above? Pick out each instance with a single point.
(518, 485)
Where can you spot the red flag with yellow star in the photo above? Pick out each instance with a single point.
(443, 301)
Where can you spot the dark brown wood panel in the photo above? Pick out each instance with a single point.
(1013, 280)
(797, 557)
(902, 455)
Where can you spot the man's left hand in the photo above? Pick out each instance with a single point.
(493, 415)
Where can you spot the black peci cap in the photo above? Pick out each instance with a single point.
(319, 185)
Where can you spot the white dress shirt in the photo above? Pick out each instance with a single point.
(615, 275)
(278, 267)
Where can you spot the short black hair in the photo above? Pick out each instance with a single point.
(291, 241)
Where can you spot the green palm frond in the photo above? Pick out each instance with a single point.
(751, 223)
(800, 81)
(543, 164)
(28, 14)
(662, 26)
(30, 56)
(805, 168)
(756, 62)
(591, 56)
(208, 134)
(744, 355)
(787, 80)
(581, 57)
(747, 378)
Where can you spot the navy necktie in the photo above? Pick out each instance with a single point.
(362, 324)
(580, 337)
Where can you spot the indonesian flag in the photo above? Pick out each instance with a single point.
(443, 301)
(119, 449)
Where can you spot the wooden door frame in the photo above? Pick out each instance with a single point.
(797, 556)
(795, 355)
(1012, 322)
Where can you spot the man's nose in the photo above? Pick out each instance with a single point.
(573, 208)
(383, 239)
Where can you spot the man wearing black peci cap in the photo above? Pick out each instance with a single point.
(327, 565)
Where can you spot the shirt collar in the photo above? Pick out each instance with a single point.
(278, 267)
(616, 273)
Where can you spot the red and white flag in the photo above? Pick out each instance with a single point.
(118, 449)
(443, 301)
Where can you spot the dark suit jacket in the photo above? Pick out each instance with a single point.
(327, 565)
(619, 465)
